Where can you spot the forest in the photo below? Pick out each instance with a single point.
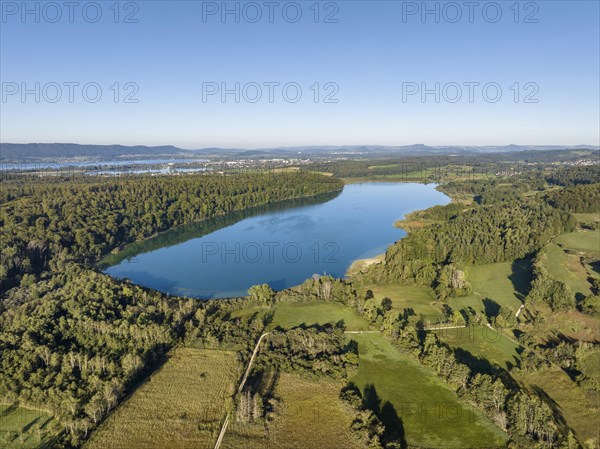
(75, 343)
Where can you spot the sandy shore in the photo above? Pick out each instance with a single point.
(360, 264)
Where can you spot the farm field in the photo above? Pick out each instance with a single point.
(23, 428)
(504, 283)
(180, 406)
(420, 299)
(567, 268)
(580, 408)
(288, 315)
(431, 414)
(483, 343)
(310, 415)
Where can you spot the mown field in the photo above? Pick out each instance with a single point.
(288, 315)
(24, 428)
(579, 407)
(585, 241)
(482, 342)
(420, 299)
(430, 413)
(567, 268)
(308, 415)
(180, 406)
(504, 283)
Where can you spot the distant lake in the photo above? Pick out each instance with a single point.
(281, 245)
(108, 167)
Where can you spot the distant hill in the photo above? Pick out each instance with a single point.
(17, 151)
(393, 150)
(37, 151)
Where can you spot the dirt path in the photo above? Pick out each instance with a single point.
(241, 387)
(251, 362)
(437, 328)
(361, 332)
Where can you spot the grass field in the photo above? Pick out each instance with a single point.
(249, 312)
(590, 366)
(420, 299)
(504, 283)
(288, 315)
(579, 407)
(24, 428)
(310, 415)
(181, 406)
(567, 268)
(431, 414)
(587, 218)
(483, 343)
(584, 241)
(568, 323)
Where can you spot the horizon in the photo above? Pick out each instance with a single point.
(333, 146)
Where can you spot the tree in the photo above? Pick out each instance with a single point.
(386, 304)
(261, 293)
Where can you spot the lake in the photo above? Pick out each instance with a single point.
(281, 244)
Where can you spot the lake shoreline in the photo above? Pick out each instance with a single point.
(360, 264)
(224, 258)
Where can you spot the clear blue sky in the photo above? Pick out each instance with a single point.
(369, 53)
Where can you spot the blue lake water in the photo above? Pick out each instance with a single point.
(281, 245)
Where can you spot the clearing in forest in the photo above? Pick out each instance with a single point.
(289, 314)
(431, 414)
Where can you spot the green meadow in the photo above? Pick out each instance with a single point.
(567, 268)
(288, 315)
(25, 428)
(420, 299)
(584, 241)
(504, 283)
(483, 344)
(429, 411)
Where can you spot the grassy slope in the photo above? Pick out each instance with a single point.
(483, 342)
(590, 365)
(309, 416)
(587, 218)
(584, 241)
(504, 283)
(287, 315)
(420, 299)
(570, 323)
(181, 406)
(25, 428)
(431, 414)
(579, 407)
(568, 269)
